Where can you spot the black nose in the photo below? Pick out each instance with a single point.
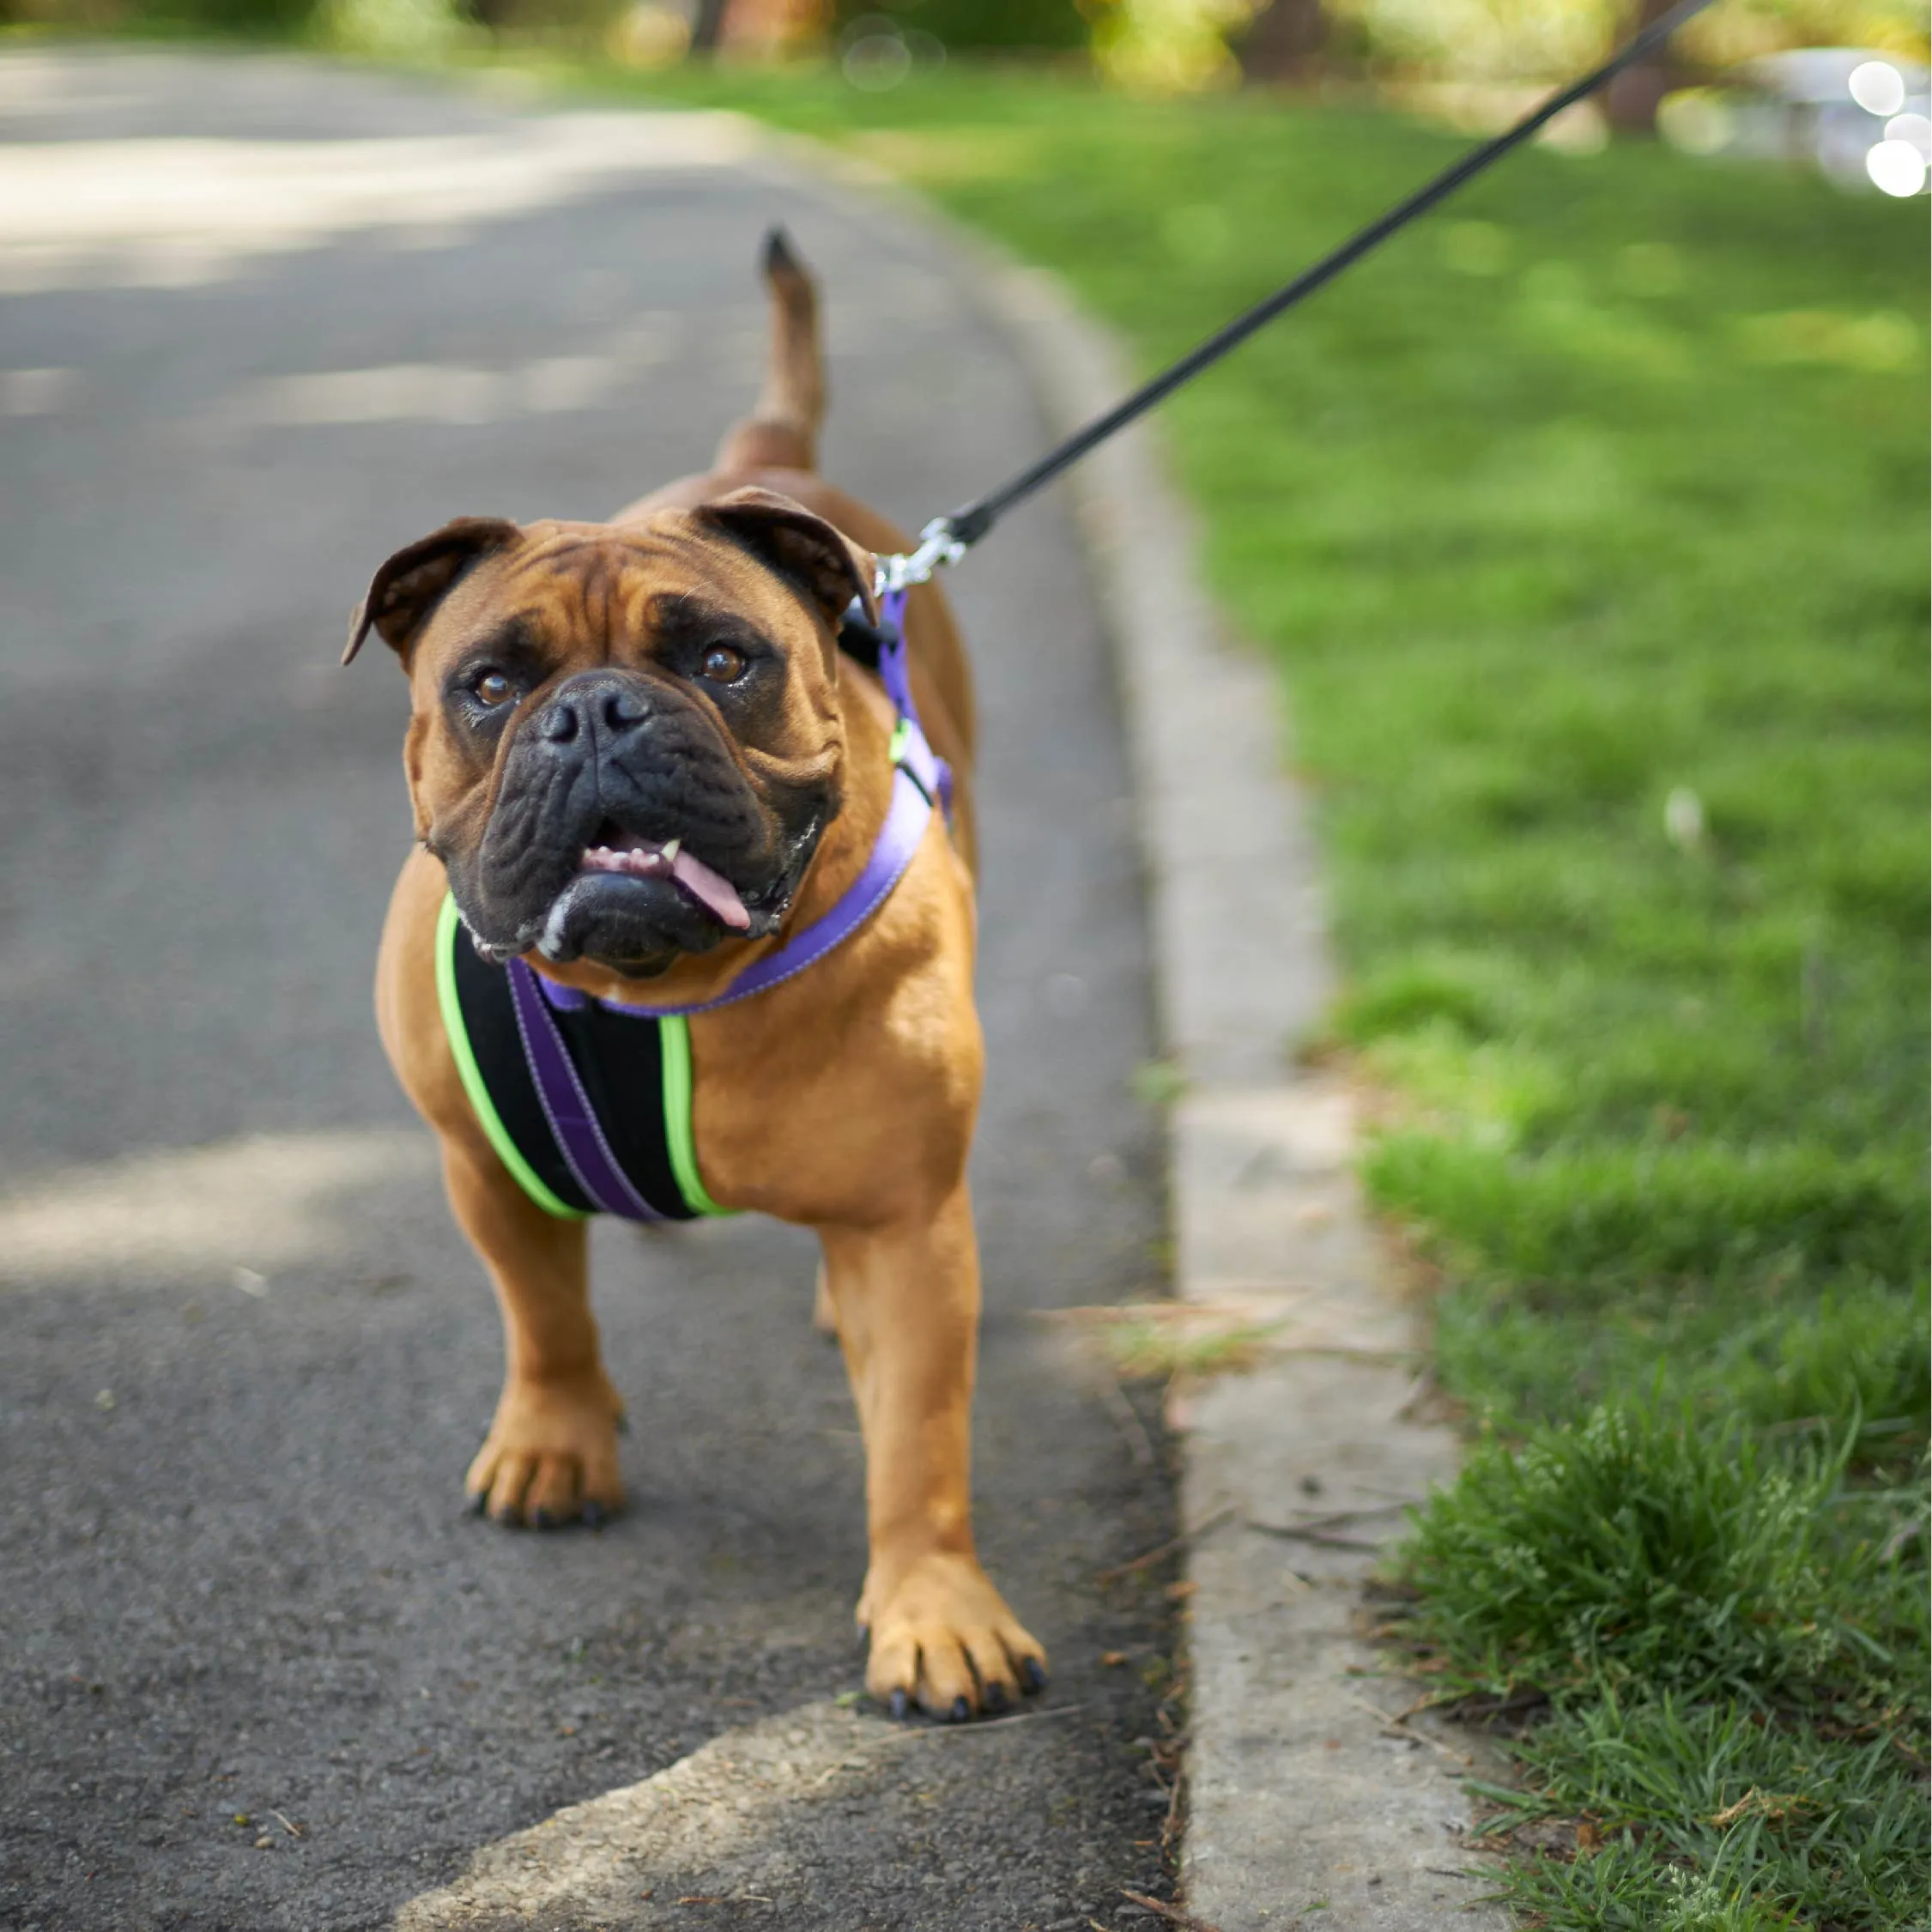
(595, 704)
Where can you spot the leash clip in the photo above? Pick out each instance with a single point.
(938, 546)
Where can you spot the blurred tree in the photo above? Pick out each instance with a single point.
(974, 26)
(1520, 41)
(1632, 97)
(707, 25)
(1487, 40)
(1170, 47)
(272, 19)
(1742, 29)
(1284, 41)
(390, 29)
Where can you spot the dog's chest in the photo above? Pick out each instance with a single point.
(588, 1109)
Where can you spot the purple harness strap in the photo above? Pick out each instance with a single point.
(568, 1107)
(920, 780)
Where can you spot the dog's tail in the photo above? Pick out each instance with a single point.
(781, 432)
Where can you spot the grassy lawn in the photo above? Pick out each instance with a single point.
(1587, 524)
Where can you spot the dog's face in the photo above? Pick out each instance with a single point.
(624, 741)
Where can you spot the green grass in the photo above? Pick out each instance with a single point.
(1733, 1644)
(1586, 522)
(1636, 1553)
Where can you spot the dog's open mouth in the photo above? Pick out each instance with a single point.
(644, 858)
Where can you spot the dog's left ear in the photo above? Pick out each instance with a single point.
(416, 578)
(828, 564)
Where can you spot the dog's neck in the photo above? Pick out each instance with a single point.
(693, 979)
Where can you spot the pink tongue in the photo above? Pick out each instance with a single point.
(706, 886)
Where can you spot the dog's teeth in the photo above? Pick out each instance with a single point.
(644, 859)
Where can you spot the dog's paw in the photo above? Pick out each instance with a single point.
(550, 1457)
(942, 1638)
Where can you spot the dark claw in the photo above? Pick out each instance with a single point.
(476, 1502)
(898, 1704)
(995, 1696)
(623, 1421)
(959, 1712)
(544, 1520)
(1035, 1673)
(508, 1517)
(593, 1516)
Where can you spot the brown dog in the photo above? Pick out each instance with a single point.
(588, 699)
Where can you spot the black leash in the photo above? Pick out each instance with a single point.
(947, 539)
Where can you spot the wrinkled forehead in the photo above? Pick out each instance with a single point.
(599, 591)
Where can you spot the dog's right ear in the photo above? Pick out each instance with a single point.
(415, 580)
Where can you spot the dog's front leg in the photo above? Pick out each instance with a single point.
(551, 1454)
(906, 1297)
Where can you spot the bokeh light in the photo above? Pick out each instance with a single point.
(1896, 168)
(1915, 129)
(1878, 88)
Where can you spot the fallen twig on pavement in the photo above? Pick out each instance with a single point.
(1403, 1728)
(1173, 1914)
(1212, 1520)
(1417, 1393)
(1327, 1519)
(1131, 1426)
(1310, 1534)
(981, 1727)
(985, 1726)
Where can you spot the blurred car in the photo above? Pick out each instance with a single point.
(1863, 116)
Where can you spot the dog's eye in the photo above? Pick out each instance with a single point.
(492, 689)
(723, 664)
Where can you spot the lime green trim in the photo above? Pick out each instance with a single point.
(895, 747)
(506, 1151)
(674, 1037)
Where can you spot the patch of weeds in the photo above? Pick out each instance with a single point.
(1157, 1083)
(1639, 1547)
(1728, 1647)
(1151, 1344)
(1704, 1817)
(1162, 1341)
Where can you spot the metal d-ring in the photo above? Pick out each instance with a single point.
(937, 546)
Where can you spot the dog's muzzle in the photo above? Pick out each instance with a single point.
(624, 830)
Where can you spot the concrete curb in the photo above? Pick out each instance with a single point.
(1309, 1792)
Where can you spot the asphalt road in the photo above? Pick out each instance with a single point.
(262, 322)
